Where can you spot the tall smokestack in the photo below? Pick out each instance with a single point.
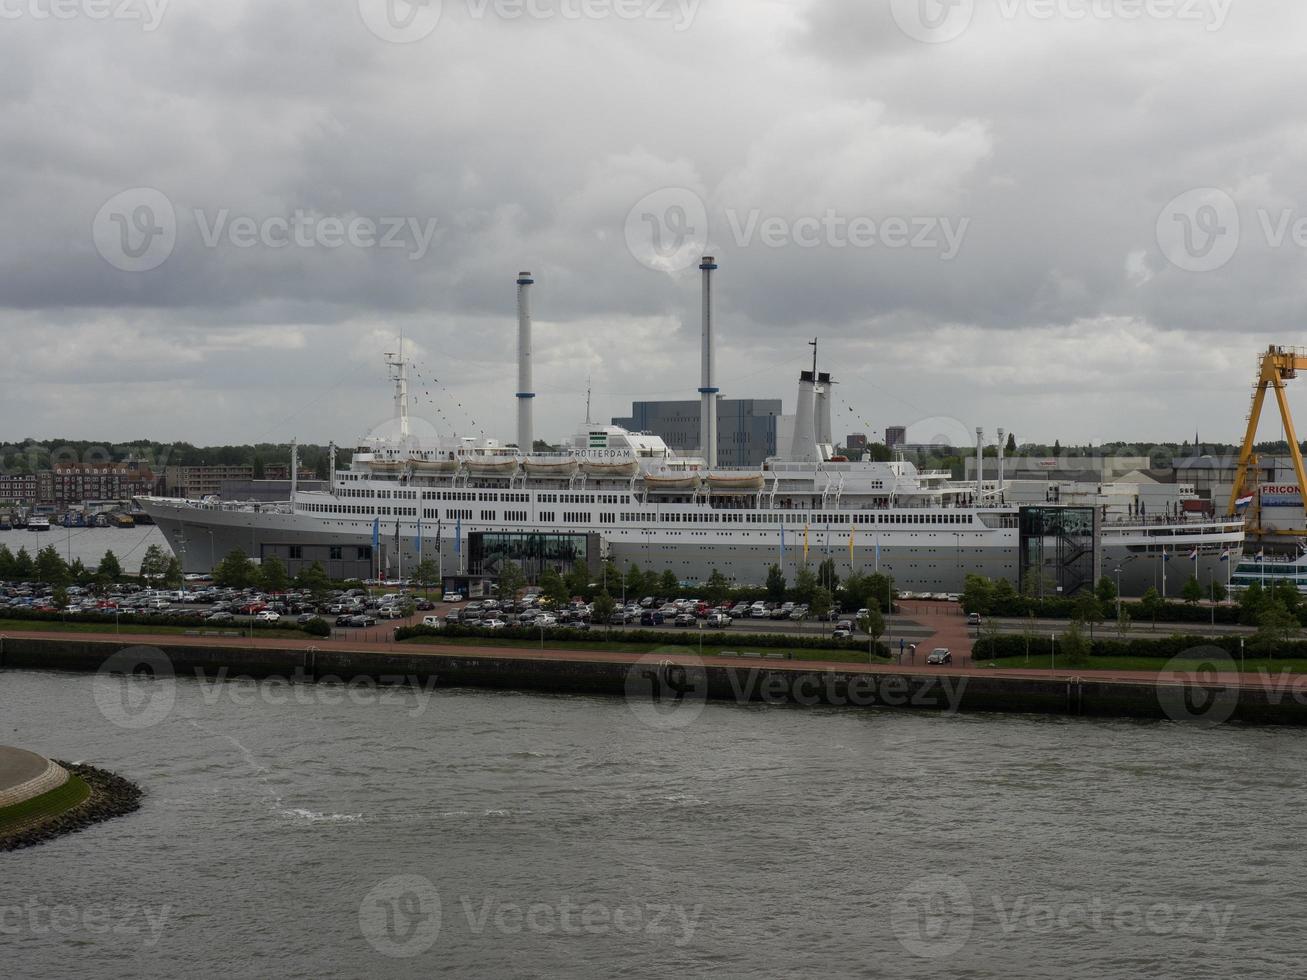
(824, 392)
(980, 463)
(525, 432)
(708, 387)
(804, 447)
(1001, 434)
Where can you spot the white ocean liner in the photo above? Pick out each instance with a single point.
(469, 504)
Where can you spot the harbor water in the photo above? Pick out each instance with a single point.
(89, 543)
(310, 831)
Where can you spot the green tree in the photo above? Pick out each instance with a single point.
(1123, 623)
(1217, 591)
(873, 624)
(717, 588)
(235, 571)
(110, 567)
(805, 584)
(272, 575)
(604, 606)
(6, 564)
(512, 580)
(1287, 595)
(1276, 626)
(77, 572)
(1151, 605)
(60, 597)
(822, 601)
(1089, 611)
(154, 565)
(1005, 601)
(50, 567)
(425, 575)
(1106, 590)
(578, 578)
(826, 575)
(668, 584)
(172, 575)
(1011, 448)
(24, 567)
(553, 587)
(1251, 601)
(1075, 648)
(978, 595)
(880, 592)
(1193, 591)
(634, 581)
(314, 578)
(775, 584)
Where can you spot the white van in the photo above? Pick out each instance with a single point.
(432, 621)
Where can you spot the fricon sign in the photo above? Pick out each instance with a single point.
(1283, 495)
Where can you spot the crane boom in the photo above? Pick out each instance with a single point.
(1277, 366)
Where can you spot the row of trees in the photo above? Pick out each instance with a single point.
(157, 568)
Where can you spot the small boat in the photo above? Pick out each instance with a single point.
(102, 520)
(38, 523)
(386, 465)
(729, 480)
(558, 468)
(491, 465)
(671, 480)
(419, 465)
(6, 524)
(123, 520)
(610, 469)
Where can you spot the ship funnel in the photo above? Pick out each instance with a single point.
(708, 385)
(980, 463)
(1001, 487)
(823, 392)
(525, 432)
(804, 447)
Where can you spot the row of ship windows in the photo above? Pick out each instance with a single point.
(585, 517)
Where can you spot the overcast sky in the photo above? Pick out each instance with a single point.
(1078, 219)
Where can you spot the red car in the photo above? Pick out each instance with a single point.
(253, 607)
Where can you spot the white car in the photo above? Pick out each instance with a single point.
(452, 597)
(268, 616)
(494, 624)
(432, 621)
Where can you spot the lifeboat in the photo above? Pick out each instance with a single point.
(491, 465)
(386, 465)
(671, 481)
(558, 468)
(615, 469)
(735, 481)
(418, 465)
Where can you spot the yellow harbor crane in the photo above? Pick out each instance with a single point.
(1277, 366)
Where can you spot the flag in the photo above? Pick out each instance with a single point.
(458, 536)
(1225, 555)
(1242, 502)
(1165, 556)
(376, 533)
(419, 539)
(1261, 554)
(1193, 555)
(852, 531)
(805, 544)
(782, 544)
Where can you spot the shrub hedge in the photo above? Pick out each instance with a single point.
(316, 628)
(689, 638)
(1163, 648)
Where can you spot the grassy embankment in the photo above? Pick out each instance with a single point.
(136, 629)
(70, 794)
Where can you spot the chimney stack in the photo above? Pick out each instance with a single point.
(980, 463)
(525, 431)
(708, 387)
(1001, 447)
(804, 447)
(824, 391)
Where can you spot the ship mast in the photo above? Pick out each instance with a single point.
(399, 375)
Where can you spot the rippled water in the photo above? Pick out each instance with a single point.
(90, 543)
(563, 838)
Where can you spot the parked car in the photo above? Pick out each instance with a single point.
(452, 597)
(432, 621)
(494, 624)
(841, 634)
(362, 621)
(652, 618)
(973, 619)
(684, 619)
(719, 620)
(940, 655)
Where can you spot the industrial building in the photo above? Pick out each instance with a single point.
(747, 428)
